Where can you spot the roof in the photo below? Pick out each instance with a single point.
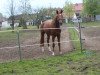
(78, 6)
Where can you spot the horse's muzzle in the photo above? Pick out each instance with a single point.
(60, 23)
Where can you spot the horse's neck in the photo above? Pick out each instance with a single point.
(56, 23)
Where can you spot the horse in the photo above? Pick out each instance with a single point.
(52, 28)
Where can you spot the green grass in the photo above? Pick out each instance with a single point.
(28, 27)
(74, 36)
(20, 28)
(7, 35)
(74, 63)
(96, 23)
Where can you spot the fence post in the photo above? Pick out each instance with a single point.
(19, 46)
(80, 35)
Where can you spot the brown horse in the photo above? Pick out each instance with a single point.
(52, 28)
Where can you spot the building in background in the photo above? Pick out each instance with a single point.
(78, 7)
(1, 20)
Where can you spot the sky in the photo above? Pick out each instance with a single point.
(37, 4)
(53, 3)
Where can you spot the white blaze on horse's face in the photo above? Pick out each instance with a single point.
(60, 18)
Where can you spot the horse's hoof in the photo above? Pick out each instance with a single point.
(60, 52)
(53, 53)
(49, 49)
(42, 49)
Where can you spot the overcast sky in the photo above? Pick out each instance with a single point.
(53, 3)
(37, 4)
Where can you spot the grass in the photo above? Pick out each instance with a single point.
(96, 23)
(89, 24)
(74, 36)
(8, 38)
(8, 35)
(20, 28)
(28, 27)
(72, 63)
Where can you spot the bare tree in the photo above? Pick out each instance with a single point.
(25, 9)
(11, 10)
(1, 20)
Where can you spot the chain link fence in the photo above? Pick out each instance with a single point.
(91, 36)
(8, 46)
(25, 44)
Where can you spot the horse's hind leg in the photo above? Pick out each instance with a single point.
(53, 45)
(48, 37)
(58, 37)
(42, 41)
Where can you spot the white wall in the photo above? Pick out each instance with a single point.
(5, 24)
(98, 17)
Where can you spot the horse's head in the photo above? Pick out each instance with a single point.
(59, 16)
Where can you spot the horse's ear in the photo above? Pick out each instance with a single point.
(56, 11)
(61, 11)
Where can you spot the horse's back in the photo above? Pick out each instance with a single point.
(47, 24)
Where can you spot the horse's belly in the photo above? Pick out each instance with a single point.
(55, 32)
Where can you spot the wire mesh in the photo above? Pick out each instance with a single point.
(8, 46)
(29, 42)
(92, 38)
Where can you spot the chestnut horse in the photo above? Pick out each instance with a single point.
(52, 28)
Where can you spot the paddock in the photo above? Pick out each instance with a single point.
(28, 44)
(90, 35)
(29, 41)
(92, 38)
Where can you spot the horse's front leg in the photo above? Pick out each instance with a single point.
(53, 45)
(58, 37)
(42, 41)
(48, 38)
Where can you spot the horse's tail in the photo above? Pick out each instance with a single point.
(42, 34)
(42, 24)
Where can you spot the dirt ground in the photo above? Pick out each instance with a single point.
(92, 38)
(35, 51)
(30, 51)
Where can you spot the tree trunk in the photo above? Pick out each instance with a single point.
(94, 17)
(12, 24)
(24, 24)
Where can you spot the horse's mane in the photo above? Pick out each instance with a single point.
(55, 22)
